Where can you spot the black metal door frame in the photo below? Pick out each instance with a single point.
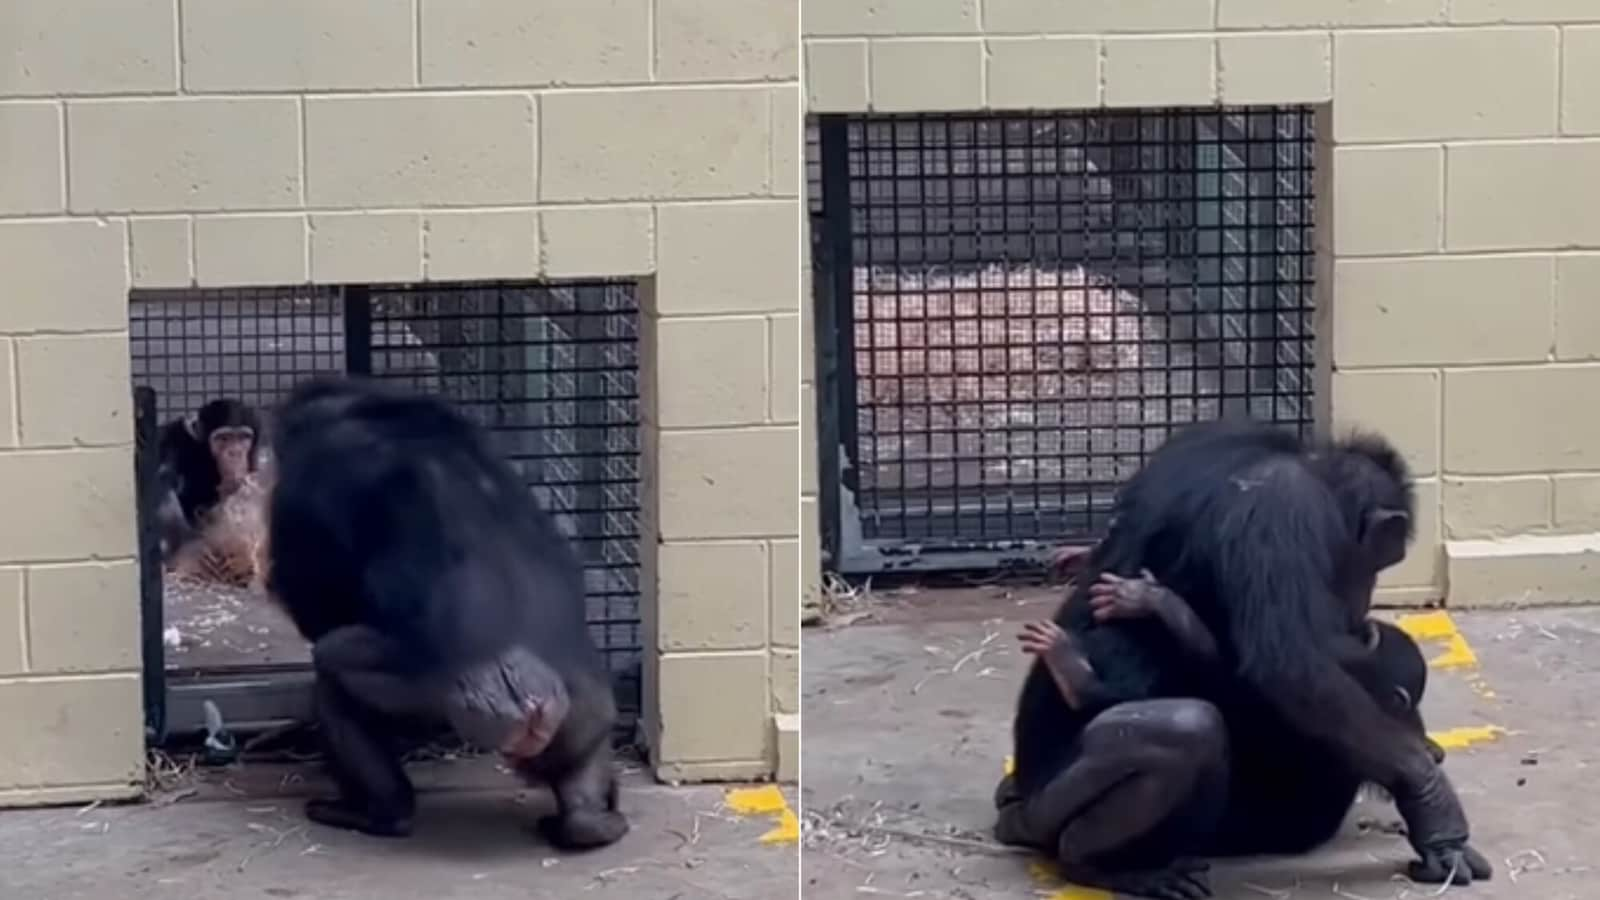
(261, 697)
(1239, 333)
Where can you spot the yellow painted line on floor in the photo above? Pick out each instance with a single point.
(1437, 626)
(1466, 736)
(1045, 877)
(766, 800)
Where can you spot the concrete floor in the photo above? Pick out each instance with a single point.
(238, 834)
(907, 725)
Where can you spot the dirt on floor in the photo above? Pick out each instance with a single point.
(238, 834)
(907, 725)
(210, 625)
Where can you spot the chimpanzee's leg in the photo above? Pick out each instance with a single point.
(1146, 785)
(356, 696)
(578, 766)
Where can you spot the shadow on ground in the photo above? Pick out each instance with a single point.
(907, 725)
(240, 835)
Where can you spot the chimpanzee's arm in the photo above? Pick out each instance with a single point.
(1114, 597)
(1274, 567)
(1074, 678)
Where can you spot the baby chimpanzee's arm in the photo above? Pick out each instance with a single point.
(1115, 597)
(1067, 665)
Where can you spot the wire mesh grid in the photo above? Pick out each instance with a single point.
(550, 370)
(1028, 304)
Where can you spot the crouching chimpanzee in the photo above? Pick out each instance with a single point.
(1276, 547)
(433, 588)
(203, 459)
(1385, 661)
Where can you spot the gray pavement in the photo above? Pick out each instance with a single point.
(238, 834)
(907, 725)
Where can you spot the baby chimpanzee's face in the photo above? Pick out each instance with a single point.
(230, 447)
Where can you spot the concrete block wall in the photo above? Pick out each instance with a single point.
(1460, 250)
(172, 143)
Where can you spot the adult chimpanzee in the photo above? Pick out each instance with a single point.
(1277, 546)
(432, 587)
(1384, 660)
(202, 459)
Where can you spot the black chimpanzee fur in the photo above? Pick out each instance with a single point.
(419, 565)
(1276, 544)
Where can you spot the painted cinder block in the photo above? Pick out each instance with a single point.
(734, 728)
(469, 245)
(1160, 71)
(46, 261)
(1512, 420)
(241, 251)
(1433, 85)
(727, 257)
(887, 17)
(84, 617)
(366, 247)
(706, 598)
(54, 47)
(720, 484)
(751, 39)
(836, 76)
(1533, 195)
(298, 45)
(1043, 73)
(926, 75)
(604, 240)
(686, 144)
(81, 504)
(162, 251)
(1387, 200)
(1389, 312)
(93, 371)
(95, 737)
(193, 154)
(1403, 406)
(30, 143)
(552, 42)
(420, 150)
(1497, 507)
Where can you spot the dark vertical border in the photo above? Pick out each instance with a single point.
(835, 339)
(358, 330)
(152, 616)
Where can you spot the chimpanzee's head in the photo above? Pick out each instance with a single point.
(229, 430)
(1375, 495)
(1396, 675)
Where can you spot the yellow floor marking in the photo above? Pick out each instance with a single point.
(1010, 766)
(766, 801)
(1045, 877)
(1466, 736)
(1438, 626)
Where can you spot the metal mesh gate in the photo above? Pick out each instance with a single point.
(550, 370)
(1014, 309)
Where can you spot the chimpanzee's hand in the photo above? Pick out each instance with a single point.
(1039, 638)
(1068, 562)
(1115, 597)
(1458, 865)
(1437, 827)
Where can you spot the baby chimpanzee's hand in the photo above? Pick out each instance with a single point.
(1038, 638)
(1115, 597)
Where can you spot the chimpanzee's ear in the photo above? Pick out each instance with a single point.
(1402, 698)
(1386, 535)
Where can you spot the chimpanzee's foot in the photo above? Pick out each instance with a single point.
(338, 814)
(1183, 880)
(584, 829)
